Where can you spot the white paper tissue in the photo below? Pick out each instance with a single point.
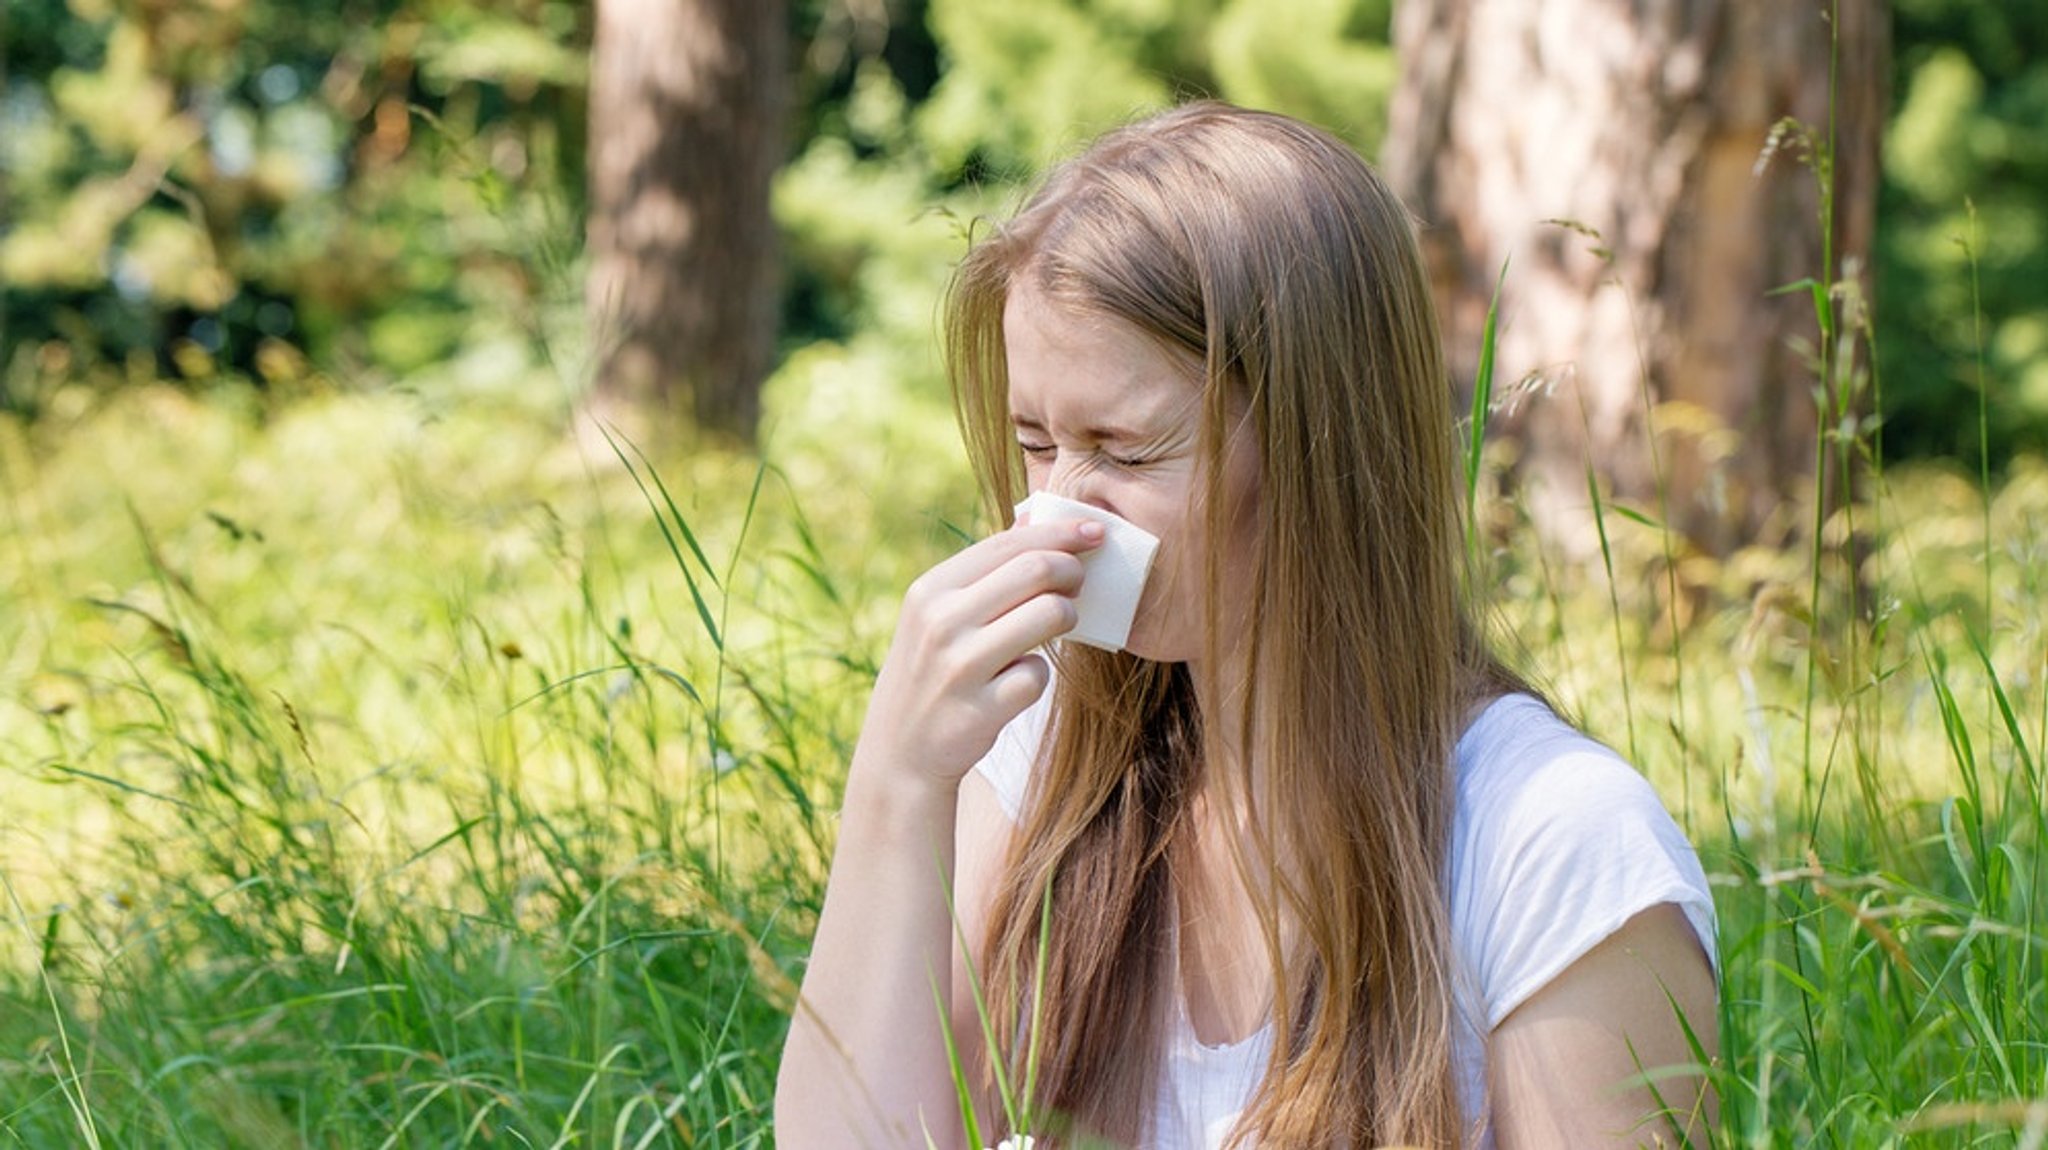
(1113, 574)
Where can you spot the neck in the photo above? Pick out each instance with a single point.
(1226, 771)
(1223, 877)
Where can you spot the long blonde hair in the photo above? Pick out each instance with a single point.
(1270, 252)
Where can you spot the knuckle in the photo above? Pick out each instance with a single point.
(1067, 613)
(1024, 682)
(930, 601)
(1036, 566)
(950, 665)
(1057, 612)
(944, 614)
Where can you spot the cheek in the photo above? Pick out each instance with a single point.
(1237, 550)
(1178, 570)
(1036, 466)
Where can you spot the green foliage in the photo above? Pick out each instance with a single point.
(1026, 83)
(247, 190)
(1966, 159)
(259, 191)
(266, 192)
(1325, 61)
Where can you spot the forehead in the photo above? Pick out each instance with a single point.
(1067, 362)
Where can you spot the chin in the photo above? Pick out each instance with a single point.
(1155, 643)
(1139, 650)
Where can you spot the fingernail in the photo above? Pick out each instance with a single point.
(1092, 531)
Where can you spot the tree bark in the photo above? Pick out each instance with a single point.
(1616, 157)
(687, 105)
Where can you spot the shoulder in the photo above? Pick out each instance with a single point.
(1557, 843)
(1526, 779)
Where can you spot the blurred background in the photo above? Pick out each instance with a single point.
(671, 207)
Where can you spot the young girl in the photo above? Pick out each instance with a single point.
(1320, 872)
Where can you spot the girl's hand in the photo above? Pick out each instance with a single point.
(962, 663)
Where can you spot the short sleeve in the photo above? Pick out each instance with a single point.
(1554, 853)
(1008, 765)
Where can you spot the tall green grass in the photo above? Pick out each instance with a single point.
(457, 790)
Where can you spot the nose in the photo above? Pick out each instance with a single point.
(1077, 477)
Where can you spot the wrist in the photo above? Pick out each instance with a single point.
(898, 800)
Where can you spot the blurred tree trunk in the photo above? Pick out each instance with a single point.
(1611, 156)
(687, 105)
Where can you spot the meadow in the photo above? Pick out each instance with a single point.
(396, 769)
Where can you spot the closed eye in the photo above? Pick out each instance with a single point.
(1043, 451)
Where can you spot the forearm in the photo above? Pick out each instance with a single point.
(865, 1064)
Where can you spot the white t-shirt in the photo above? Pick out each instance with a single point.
(1556, 842)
